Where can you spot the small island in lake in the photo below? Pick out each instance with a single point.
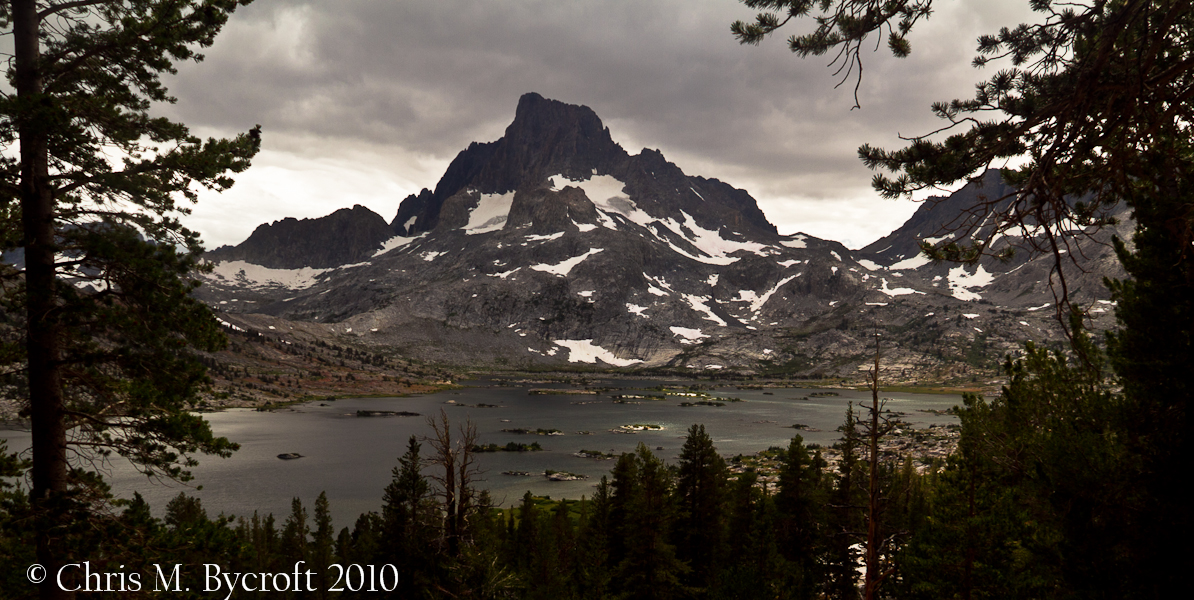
(597, 454)
(638, 427)
(386, 413)
(563, 476)
(525, 431)
(510, 447)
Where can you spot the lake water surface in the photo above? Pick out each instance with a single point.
(351, 457)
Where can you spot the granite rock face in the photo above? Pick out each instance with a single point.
(553, 245)
(346, 236)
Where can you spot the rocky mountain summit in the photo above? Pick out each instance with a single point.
(552, 245)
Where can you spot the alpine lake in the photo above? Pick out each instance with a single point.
(349, 446)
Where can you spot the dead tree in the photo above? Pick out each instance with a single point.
(878, 541)
(457, 470)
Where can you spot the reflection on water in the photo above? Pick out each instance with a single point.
(351, 457)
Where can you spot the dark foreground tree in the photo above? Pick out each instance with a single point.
(702, 489)
(101, 312)
(650, 568)
(408, 522)
(1096, 97)
(1098, 100)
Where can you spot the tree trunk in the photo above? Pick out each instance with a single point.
(49, 472)
(873, 575)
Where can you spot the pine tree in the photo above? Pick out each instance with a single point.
(591, 575)
(754, 567)
(407, 523)
(650, 569)
(1073, 101)
(103, 300)
(1151, 354)
(802, 521)
(623, 488)
(323, 546)
(295, 534)
(845, 516)
(701, 488)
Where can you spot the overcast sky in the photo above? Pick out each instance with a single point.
(367, 101)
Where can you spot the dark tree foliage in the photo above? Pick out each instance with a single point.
(593, 567)
(539, 549)
(295, 536)
(754, 567)
(846, 515)
(323, 546)
(1033, 503)
(1096, 97)
(100, 316)
(408, 521)
(649, 568)
(702, 487)
(1152, 353)
(801, 506)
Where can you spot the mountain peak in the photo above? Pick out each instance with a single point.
(549, 135)
(348, 235)
(539, 117)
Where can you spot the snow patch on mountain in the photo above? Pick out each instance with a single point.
(915, 262)
(708, 241)
(490, 214)
(397, 242)
(587, 352)
(759, 301)
(690, 335)
(506, 274)
(897, 291)
(698, 303)
(257, 276)
(661, 282)
(562, 269)
(606, 193)
(606, 221)
(545, 238)
(797, 241)
(960, 282)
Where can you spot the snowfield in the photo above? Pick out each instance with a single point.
(562, 269)
(490, 214)
(585, 351)
(960, 282)
(397, 242)
(257, 276)
(689, 335)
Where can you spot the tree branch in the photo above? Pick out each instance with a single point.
(56, 8)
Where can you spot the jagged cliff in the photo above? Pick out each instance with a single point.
(553, 245)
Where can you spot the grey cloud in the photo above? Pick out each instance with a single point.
(430, 76)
